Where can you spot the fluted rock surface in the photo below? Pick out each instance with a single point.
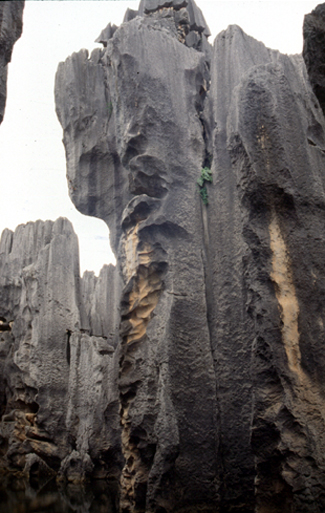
(266, 214)
(54, 379)
(99, 297)
(221, 356)
(11, 26)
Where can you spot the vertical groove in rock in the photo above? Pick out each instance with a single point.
(231, 325)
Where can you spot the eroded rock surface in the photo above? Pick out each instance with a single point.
(221, 331)
(99, 298)
(11, 26)
(154, 148)
(194, 371)
(57, 380)
(266, 214)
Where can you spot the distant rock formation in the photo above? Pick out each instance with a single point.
(194, 371)
(11, 27)
(57, 387)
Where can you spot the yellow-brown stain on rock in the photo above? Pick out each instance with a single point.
(282, 277)
(301, 395)
(135, 472)
(305, 389)
(286, 295)
(143, 300)
(130, 246)
(144, 284)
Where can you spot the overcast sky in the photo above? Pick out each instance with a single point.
(33, 182)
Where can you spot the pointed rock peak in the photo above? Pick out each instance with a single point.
(233, 33)
(62, 226)
(196, 18)
(6, 241)
(147, 6)
(130, 15)
(106, 34)
(234, 29)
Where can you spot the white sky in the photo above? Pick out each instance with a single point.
(33, 183)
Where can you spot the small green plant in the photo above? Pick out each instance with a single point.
(204, 195)
(206, 176)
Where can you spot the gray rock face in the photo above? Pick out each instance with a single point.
(99, 297)
(161, 145)
(265, 211)
(159, 251)
(11, 26)
(52, 368)
(194, 371)
(196, 18)
(221, 357)
(85, 111)
(106, 34)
